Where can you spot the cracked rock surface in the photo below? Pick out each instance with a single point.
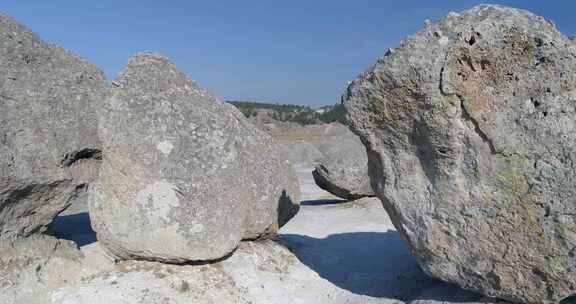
(470, 130)
(49, 148)
(184, 175)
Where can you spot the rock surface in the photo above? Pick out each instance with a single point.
(49, 147)
(343, 171)
(30, 268)
(184, 176)
(470, 130)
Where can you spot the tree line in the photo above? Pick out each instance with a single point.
(303, 115)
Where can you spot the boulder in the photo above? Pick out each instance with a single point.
(470, 128)
(184, 175)
(343, 171)
(49, 148)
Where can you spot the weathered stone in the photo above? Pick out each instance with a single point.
(48, 134)
(470, 130)
(31, 267)
(343, 171)
(184, 175)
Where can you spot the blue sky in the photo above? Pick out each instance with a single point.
(297, 51)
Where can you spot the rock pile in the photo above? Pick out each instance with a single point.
(184, 176)
(470, 133)
(470, 130)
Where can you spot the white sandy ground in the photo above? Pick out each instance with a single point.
(309, 190)
(331, 252)
(355, 246)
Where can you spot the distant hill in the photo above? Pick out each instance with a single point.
(302, 115)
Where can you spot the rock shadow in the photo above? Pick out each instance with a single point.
(74, 227)
(287, 208)
(569, 300)
(321, 202)
(443, 292)
(376, 264)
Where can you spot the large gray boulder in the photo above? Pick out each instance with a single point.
(49, 147)
(470, 128)
(184, 175)
(343, 171)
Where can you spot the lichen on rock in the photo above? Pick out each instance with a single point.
(470, 130)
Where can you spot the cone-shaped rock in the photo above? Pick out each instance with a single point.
(184, 176)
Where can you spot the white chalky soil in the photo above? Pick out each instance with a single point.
(335, 252)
